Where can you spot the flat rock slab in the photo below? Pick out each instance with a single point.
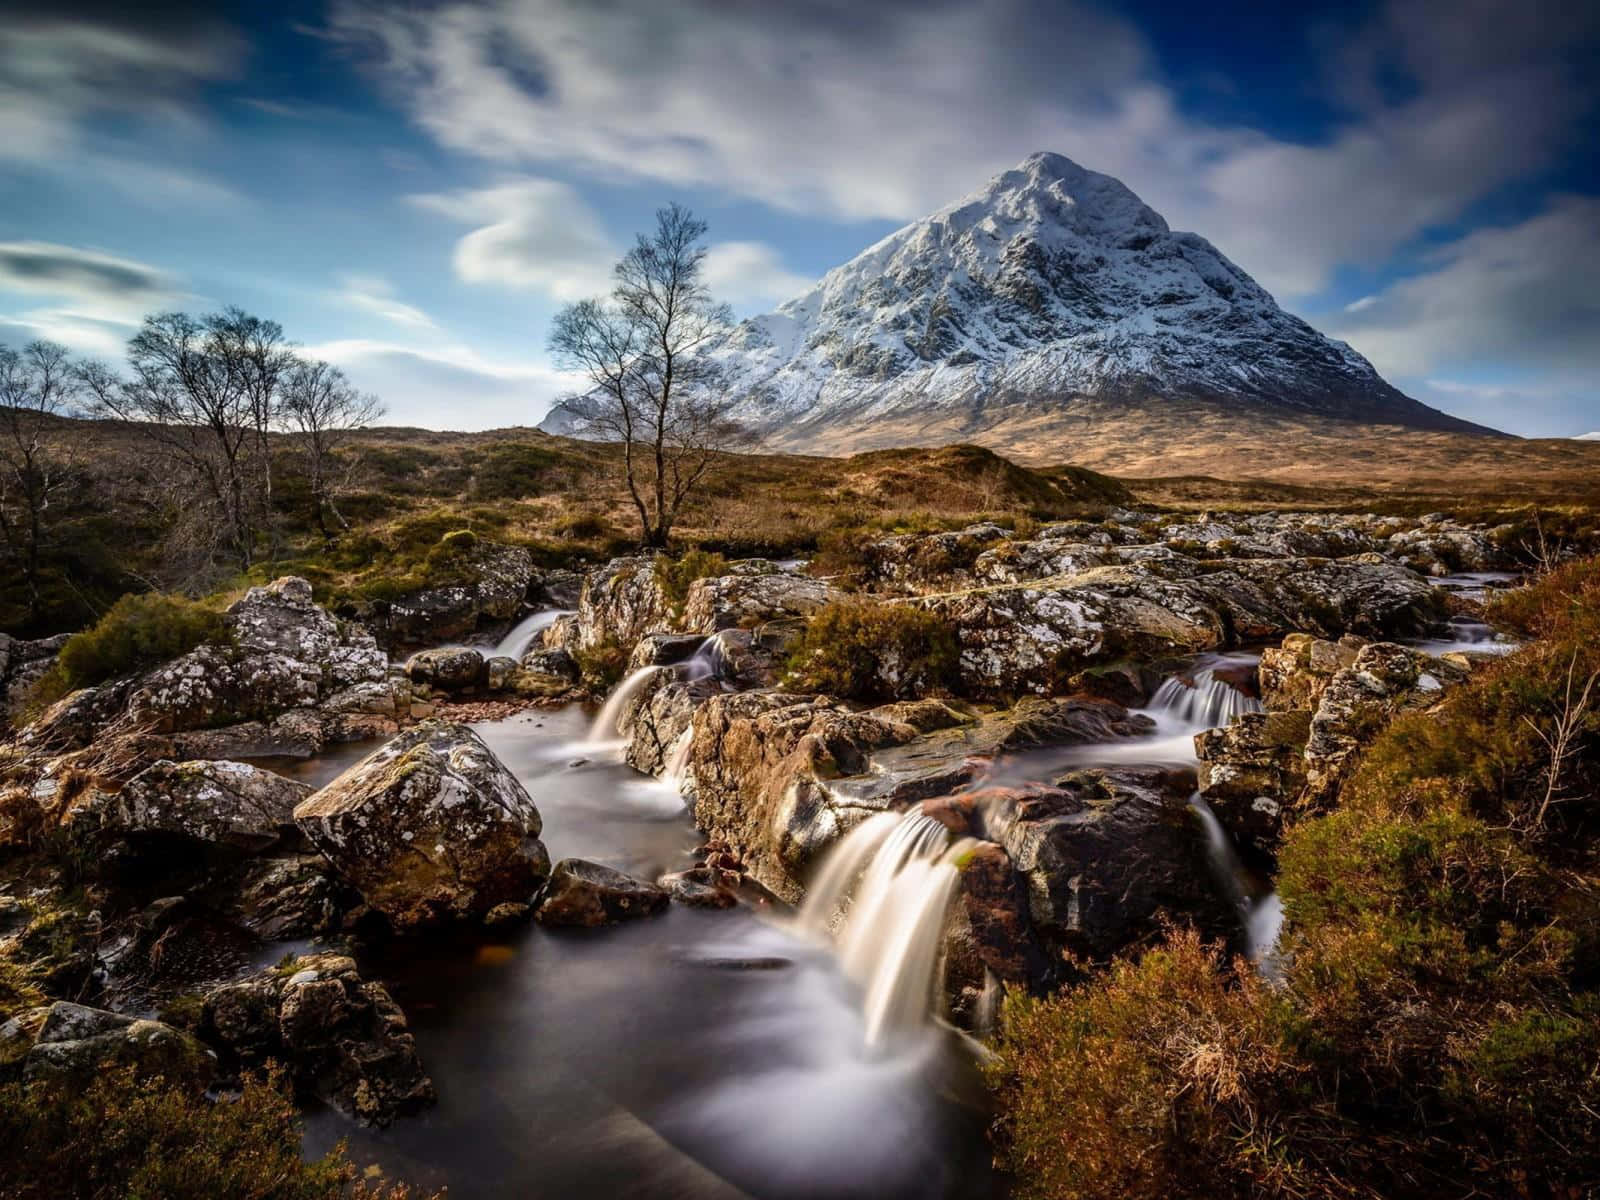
(587, 894)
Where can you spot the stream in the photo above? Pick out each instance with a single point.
(697, 1054)
(709, 1054)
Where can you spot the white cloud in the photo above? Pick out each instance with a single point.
(532, 234)
(747, 273)
(888, 111)
(1522, 295)
(375, 295)
(449, 388)
(100, 297)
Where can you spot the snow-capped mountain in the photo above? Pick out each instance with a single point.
(1588, 437)
(1052, 283)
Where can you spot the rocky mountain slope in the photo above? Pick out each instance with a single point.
(1051, 285)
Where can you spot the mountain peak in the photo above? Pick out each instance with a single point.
(1050, 284)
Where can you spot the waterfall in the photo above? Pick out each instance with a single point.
(607, 722)
(894, 876)
(1202, 700)
(676, 759)
(1260, 917)
(515, 644)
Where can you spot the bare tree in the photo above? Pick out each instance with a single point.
(37, 387)
(322, 408)
(651, 387)
(200, 390)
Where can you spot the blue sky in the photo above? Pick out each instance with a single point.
(413, 189)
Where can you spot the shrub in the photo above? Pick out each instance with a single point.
(138, 631)
(674, 575)
(144, 1138)
(869, 651)
(512, 471)
(1167, 1077)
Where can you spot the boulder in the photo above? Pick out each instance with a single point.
(555, 665)
(74, 1044)
(344, 1039)
(1293, 675)
(1104, 856)
(449, 669)
(22, 663)
(589, 894)
(429, 827)
(220, 803)
(743, 601)
(495, 580)
(290, 896)
(621, 603)
(698, 888)
(664, 649)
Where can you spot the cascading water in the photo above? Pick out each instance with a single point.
(894, 877)
(607, 721)
(675, 763)
(516, 643)
(1202, 700)
(1260, 916)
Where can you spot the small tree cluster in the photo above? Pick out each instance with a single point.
(207, 393)
(39, 385)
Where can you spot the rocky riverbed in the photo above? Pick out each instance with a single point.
(500, 945)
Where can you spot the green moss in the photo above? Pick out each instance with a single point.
(602, 665)
(875, 652)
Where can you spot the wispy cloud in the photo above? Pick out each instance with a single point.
(745, 273)
(374, 294)
(533, 234)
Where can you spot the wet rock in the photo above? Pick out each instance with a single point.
(500, 673)
(75, 1044)
(659, 717)
(495, 581)
(559, 588)
(1104, 856)
(292, 896)
(697, 888)
(556, 665)
(589, 894)
(343, 1038)
(664, 649)
(221, 803)
(1253, 771)
(450, 669)
(502, 915)
(429, 827)
(997, 924)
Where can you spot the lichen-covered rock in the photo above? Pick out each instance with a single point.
(284, 654)
(429, 827)
(1252, 771)
(75, 1044)
(495, 582)
(220, 803)
(664, 649)
(449, 669)
(22, 663)
(552, 664)
(588, 894)
(742, 601)
(621, 603)
(1293, 675)
(343, 1038)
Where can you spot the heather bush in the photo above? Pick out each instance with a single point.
(138, 631)
(867, 651)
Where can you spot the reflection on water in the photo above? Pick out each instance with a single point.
(698, 1054)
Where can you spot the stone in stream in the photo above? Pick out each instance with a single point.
(449, 669)
(73, 1044)
(697, 888)
(343, 1038)
(220, 803)
(430, 827)
(495, 580)
(1252, 770)
(589, 894)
